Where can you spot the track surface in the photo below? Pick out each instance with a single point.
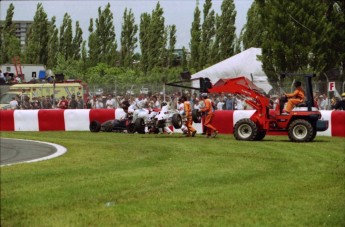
(17, 151)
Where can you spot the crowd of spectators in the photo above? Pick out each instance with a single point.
(223, 101)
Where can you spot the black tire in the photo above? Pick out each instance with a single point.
(108, 126)
(130, 128)
(245, 129)
(95, 126)
(261, 134)
(301, 130)
(176, 121)
(196, 116)
(139, 125)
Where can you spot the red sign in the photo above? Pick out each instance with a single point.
(331, 86)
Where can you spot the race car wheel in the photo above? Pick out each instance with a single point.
(196, 116)
(245, 129)
(261, 134)
(139, 125)
(301, 130)
(108, 126)
(95, 126)
(177, 121)
(130, 128)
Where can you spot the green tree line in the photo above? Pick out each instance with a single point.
(296, 35)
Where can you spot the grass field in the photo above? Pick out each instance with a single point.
(109, 179)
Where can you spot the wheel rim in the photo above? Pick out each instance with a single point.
(300, 131)
(245, 131)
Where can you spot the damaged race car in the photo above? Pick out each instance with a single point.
(140, 120)
(156, 120)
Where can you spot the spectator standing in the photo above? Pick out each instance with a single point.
(80, 102)
(229, 103)
(323, 102)
(220, 103)
(14, 103)
(63, 103)
(73, 104)
(99, 103)
(36, 104)
(111, 102)
(47, 103)
(2, 78)
(26, 105)
(341, 104)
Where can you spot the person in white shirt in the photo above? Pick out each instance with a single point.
(110, 103)
(99, 103)
(14, 103)
(323, 103)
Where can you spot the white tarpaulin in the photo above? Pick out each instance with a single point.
(242, 64)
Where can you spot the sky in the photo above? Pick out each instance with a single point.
(178, 12)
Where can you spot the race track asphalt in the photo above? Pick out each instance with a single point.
(14, 151)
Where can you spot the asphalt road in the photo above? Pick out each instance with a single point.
(13, 151)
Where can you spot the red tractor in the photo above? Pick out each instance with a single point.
(302, 124)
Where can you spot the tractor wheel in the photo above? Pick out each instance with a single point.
(139, 125)
(130, 128)
(108, 126)
(301, 130)
(245, 129)
(95, 126)
(176, 120)
(196, 116)
(261, 134)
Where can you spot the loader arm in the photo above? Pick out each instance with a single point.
(253, 96)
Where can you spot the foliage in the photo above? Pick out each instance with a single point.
(226, 33)
(195, 41)
(207, 34)
(36, 51)
(108, 179)
(128, 39)
(9, 44)
(66, 37)
(53, 44)
(297, 35)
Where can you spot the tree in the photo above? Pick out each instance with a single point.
(214, 55)
(253, 32)
(195, 40)
(53, 44)
(9, 43)
(77, 41)
(156, 38)
(128, 39)
(226, 31)
(93, 46)
(300, 37)
(36, 51)
(144, 34)
(106, 37)
(66, 37)
(172, 42)
(207, 34)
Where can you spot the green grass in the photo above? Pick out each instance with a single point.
(109, 179)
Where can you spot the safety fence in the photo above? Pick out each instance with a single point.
(79, 120)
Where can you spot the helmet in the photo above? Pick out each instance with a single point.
(204, 95)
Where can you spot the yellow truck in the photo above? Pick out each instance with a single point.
(43, 89)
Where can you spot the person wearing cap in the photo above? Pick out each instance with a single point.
(293, 99)
(341, 104)
(208, 110)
